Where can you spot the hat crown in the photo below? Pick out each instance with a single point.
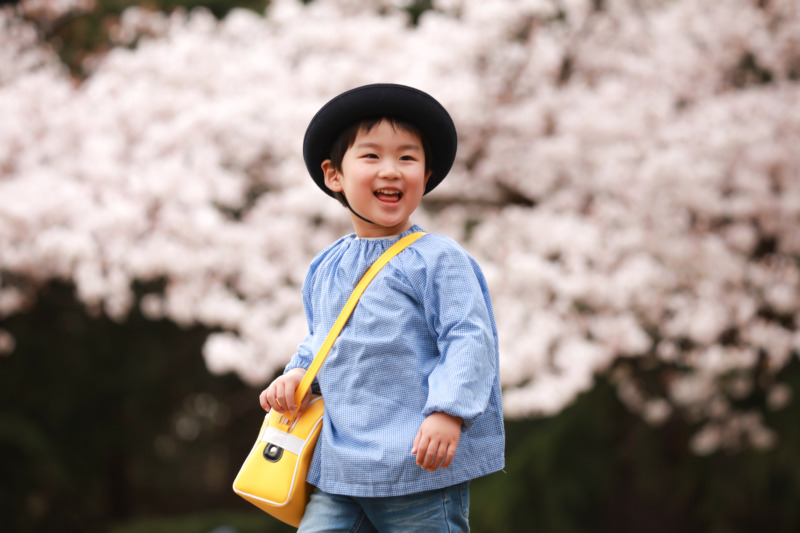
(381, 100)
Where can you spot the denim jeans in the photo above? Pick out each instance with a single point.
(443, 510)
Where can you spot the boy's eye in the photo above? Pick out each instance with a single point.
(370, 156)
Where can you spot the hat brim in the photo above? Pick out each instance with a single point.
(382, 100)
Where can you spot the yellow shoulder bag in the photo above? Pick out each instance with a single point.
(273, 477)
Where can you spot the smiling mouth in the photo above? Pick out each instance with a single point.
(388, 195)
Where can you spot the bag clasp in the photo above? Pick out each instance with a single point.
(272, 452)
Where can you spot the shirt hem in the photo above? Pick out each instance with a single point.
(389, 489)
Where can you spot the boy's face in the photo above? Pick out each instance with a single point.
(383, 178)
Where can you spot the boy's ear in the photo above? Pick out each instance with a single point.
(332, 177)
(427, 177)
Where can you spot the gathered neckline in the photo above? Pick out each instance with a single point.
(412, 229)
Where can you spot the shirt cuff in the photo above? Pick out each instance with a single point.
(466, 423)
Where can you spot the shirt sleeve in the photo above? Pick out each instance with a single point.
(305, 353)
(458, 311)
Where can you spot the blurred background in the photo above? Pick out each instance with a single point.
(628, 177)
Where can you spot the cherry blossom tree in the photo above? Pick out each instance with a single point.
(628, 177)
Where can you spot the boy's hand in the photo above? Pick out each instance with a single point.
(436, 441)
(280, 393)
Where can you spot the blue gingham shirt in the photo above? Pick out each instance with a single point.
(421, 339)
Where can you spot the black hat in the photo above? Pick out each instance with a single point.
(382, 100)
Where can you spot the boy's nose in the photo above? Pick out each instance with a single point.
(389, 170)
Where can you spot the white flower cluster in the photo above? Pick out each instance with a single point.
(628, 176)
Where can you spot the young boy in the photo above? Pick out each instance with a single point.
(411, 387)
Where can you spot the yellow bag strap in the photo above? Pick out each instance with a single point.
(316, 364)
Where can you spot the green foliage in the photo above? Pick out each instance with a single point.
(596, 467)
(416, 8)
(102, 421)
(78, 35)
(222, 522)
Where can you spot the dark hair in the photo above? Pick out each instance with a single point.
(347, 138)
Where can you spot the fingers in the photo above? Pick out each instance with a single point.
(428, 459)
(420, 447)
(305, 402)
(436, 441)
(280, 393)
(279, 396)
(435, 456)
(285, 401)
(449, 454)
(441, 453)
(431, 454)
(262, 399)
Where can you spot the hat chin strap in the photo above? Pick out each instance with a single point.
(343, 199)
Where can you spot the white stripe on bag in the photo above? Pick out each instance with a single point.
(284, 440)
